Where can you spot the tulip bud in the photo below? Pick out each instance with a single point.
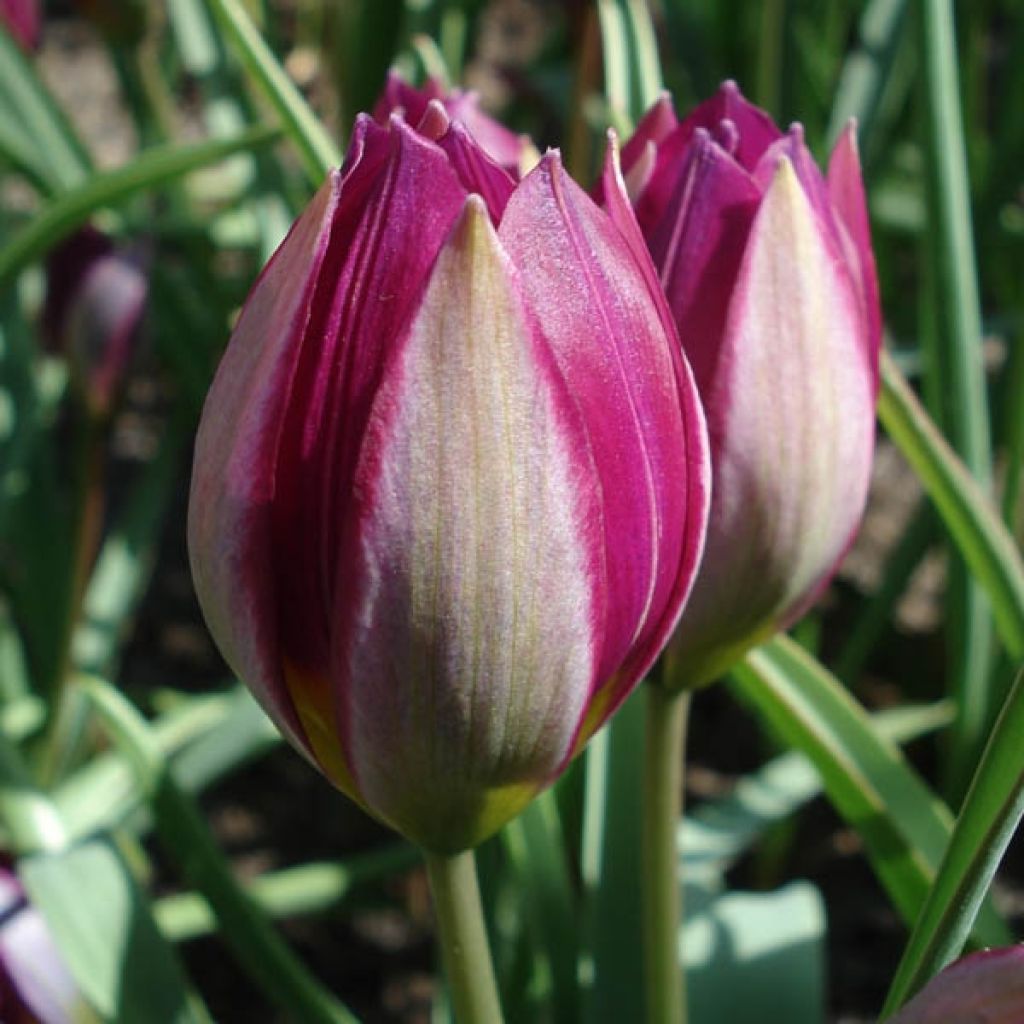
(769, 273)
(450, 482)
(22, 21)
(95, 300)
(516, 153)
(36, 986)
(984, 987)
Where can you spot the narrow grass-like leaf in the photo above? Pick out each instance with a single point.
(959, 369)
(904, 826)
(316, 148)
(867, 69)
(28, 112)
(536, 849)
(643, 56)
(312, 888)
(718, 832)
(250, 935)
(152, 168)
(617, 67)
(988, 820)
(973, 523)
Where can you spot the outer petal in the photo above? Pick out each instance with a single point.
(790, 417)
(846, 190)
(986, 988)
(472, 624)
(607, 333)
(389, 224)
(233, 474)
(755, 130)
(698, 246)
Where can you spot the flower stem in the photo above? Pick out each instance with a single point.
(662, 892)
(463, 937)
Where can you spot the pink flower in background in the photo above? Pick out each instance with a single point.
(95, 300)
(767, 266)
(450, 483)
(516, 153)
(984, 988)
(36, 986)
(22, 20)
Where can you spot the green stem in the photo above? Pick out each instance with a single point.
(667, 712)
(463, 937)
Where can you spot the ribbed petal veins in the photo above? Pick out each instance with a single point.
(473, 623)
(791, 427)
(594, 304)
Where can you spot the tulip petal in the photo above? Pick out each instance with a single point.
(472, 629)
(791, 426)
(985, 988)
(846, 190)
(390, 221)
(608, 337)
(699, 246)
(229, 522)
(477, 171)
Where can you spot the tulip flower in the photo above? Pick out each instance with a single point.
(516, 153)
(36, 986)
(767, 266)
(95, 301)
(984, 987)
(450, 481)
(21, 19)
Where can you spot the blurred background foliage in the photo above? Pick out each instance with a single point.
(144, 796)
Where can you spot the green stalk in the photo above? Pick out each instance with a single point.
(463, 937)
(665, 980)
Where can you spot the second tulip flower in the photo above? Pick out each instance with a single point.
(768, 268)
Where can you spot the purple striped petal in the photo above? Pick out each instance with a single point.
(790, 417)
(985, 988)
(595, 305)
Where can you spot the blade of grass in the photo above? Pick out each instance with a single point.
(975, 526)
(247, 931)
(28, 111)
(154, 167)
(960, 369)
(316, 148)
(988, 820)
(904, 826)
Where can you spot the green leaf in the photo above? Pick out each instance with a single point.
(612, 967)
(316, 148)
(973, 523)
(904, 826)
(537, 852)
(154, 167)
(988, 820)
(748, 951)
(104, 927)
(32, 126)
(246, 930)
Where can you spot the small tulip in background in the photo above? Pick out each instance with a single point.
(768, 268)
(22, 20)
(450, 482)
(95, 302)
(35, 984)
(984, 988)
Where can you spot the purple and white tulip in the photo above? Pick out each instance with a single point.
(767, 266)
(516, 153)
(984, 988)
(451, 480)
